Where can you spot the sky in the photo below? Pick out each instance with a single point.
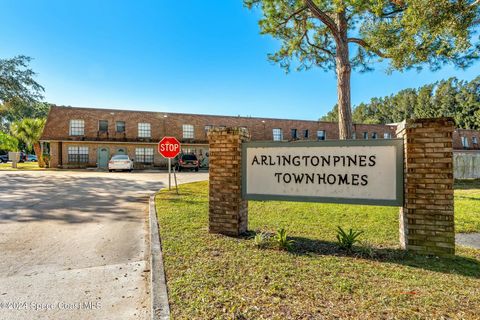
(176, 56)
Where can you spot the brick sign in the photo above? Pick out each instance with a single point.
(354, 171)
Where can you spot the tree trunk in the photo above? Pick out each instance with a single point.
(343, 70)
(38, 153)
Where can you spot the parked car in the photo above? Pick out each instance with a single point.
(32, 157)
(23, 156)
(120, 162)
(187, 161)
(4, 158)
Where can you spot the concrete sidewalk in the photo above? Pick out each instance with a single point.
(74, 245)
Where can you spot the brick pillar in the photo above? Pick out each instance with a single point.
(227, 211)
(426, 219)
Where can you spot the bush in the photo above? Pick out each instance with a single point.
(261, 240)
(347, 240)
(282, 241)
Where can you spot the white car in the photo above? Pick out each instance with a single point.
(120, 162)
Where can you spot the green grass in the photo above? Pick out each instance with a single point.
(21, 166)
(217, 277)
(467, 205)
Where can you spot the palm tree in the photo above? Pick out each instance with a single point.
(29, 131)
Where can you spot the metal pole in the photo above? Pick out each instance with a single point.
(175, 176)
(169, 174)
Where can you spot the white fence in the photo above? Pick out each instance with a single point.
(466, 164)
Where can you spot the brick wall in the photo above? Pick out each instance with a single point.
(227, 211)
(57, 126)
(426, 219)
(471, 136)
(113, 149)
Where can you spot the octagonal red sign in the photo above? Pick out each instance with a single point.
(169, 147)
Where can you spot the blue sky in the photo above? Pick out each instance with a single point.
(191, 56)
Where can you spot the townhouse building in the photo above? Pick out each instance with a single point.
(87, 137)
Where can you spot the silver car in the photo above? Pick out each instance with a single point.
(120, 162)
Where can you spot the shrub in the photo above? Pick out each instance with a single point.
(282, 241)
(347, 240)
(260, 240)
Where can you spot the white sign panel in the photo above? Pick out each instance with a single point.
(365, 172)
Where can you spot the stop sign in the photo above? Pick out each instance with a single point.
(169, 147)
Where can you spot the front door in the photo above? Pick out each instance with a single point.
(103, 157)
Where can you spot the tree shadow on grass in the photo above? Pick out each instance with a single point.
(467, 184)
(456, 264)
(468, 198)
(450, 265)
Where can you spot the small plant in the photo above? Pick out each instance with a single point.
(347, 240)
(282, 240)
(260, 240)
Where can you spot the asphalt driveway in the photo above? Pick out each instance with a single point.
(73, 244)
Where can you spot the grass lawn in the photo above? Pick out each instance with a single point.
(218, 277)
(467, 201)
(21, 166)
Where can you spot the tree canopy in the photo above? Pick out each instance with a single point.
(8, 142)
(407, 33)
(17, 109)
(17, 80)
(20, 94)
(447, 98)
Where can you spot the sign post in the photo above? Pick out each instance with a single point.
(14, 157)
(169, 173)
(169, 147)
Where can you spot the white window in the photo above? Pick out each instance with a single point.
(77, 127)
(354, 135)
(474, 140)
(207, 128)
(365, 135)
(188, 131)
(321, 135)
(77, 154)
(387, 135)
(464, 142)
(144, 130)
(277, 134)
(374, 135)
(144, 155)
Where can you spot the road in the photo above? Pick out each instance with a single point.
(74, 244)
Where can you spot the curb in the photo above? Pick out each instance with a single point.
(160, 309)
